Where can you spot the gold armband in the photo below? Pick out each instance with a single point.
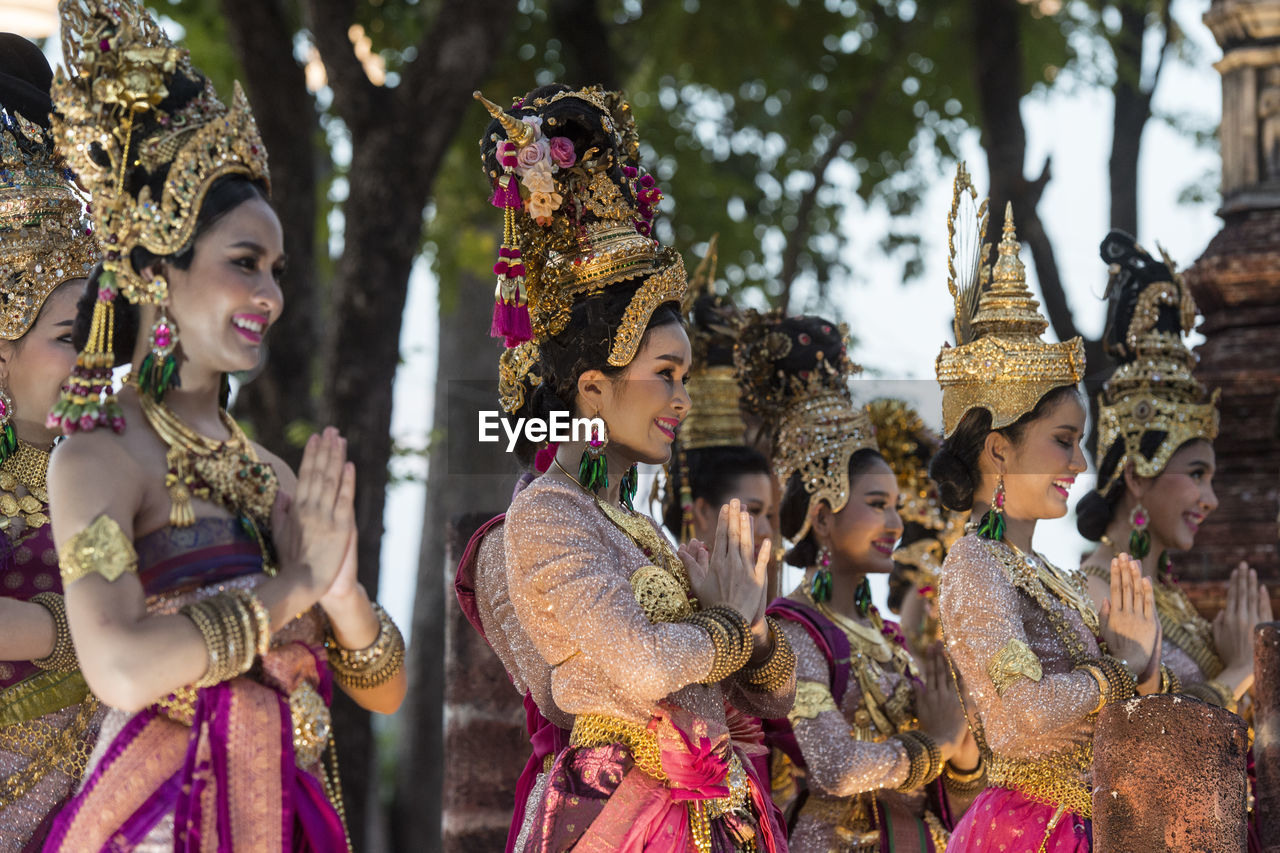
(101, 548)
(1016, 660)
(372, 666)
(812, 698)
(776, 671)
(63, 656)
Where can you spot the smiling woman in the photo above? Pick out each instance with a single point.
(202, 575)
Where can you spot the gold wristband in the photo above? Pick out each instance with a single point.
(1169, 681)
(372, 666)
(63, 656)
(965, 784)
(227, 624)
(1104, 686)
(101, 548)
(776, 672)
(730, 635)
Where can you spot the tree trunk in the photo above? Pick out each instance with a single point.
(261, 35)
(466, 373)
(1131, 111)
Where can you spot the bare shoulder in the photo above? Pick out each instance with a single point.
(90, 474)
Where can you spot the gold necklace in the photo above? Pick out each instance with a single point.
(662, 588)
(28, 467)
(227, 473)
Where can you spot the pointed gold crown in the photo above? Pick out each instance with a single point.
(716, 417)
(999, 362)
(1153, 389)
(795, 373)
(577, 217)
(116, 122)
(45, 239)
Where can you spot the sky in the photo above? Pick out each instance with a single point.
(900, 327)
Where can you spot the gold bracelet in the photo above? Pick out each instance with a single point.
(918, 757)
(260, 617)
(964, 784)
(224, 621)
(776, 672)
(934, 754)
(372, 666)
(1214, 693)
(63, 656)
(730, 635)
(1120, 679)
(101, 548)
(1169, 681)
(1104, 686)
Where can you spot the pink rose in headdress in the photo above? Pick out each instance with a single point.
(542, 205)
(534, 153)
(562, 152)
(536, 123)
(539, 180)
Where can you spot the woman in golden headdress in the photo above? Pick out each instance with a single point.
(48, 720)
(194, 567)
(851, 763)
(1037, 661)
(644, 645)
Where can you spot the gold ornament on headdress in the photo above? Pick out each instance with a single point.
(45, 239)
(1154, 389)
(110, 123)
(576, 222)
(515, 365)
(999, 362)
(817, 428)
(716, 417)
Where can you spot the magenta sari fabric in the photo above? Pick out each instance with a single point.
(1006, 821)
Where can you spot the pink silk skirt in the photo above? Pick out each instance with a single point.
(1005, 821)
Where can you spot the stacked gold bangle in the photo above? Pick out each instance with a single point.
(1116, 682)
(776, 672)
(63, 656)
(730, 633)
(925, 757)
(964, 784)
(236, 628)
(1169, 681)
(375, 664)
(1215, 693)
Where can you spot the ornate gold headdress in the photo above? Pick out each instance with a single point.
(1153, 389)
(516, 367)
(147, 135)
(716, 417)
(577, 217)
(45, 239)
(795, 374)
(999, 362)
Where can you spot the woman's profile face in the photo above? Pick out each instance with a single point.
(37, 364)
(645, 406)
(226, 300)
(1042, 466)
(1181, 497)
(863, 533)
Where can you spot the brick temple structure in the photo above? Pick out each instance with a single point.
(1237, 285)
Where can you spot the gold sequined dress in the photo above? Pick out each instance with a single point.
(48, 720)
(629, 674)
(1015, 641)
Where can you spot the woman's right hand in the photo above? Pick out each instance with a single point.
(1247, 604)
(314, 528)
(1128, 618)
(729, 574)
(938, 705)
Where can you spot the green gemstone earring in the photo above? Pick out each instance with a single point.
(992, 524)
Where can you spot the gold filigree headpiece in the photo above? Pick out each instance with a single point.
(517, 367)
(45, 239)
(999, 362)
(716, 417)
(1153, 389)
(795, 374)
(148, 137)
(577, 217)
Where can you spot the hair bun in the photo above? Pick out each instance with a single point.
(954, 478)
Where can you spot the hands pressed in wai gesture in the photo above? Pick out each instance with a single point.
(1129, 624)
(1248, 603)
(731, 573)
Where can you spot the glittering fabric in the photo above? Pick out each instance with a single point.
(568, 570)
(1004, 821)
(512, 644)
(24, 822)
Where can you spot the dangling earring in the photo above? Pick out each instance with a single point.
(8, 438)
(1139, 536)
(992, 524)
(820, 586)
(627, 488)
(862, 596)
(159, 371)
(593, 469)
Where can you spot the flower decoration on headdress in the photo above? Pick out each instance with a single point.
(45, 239)
(999, 362)
(794, 373)
(577, 215)
(148, 137)
(1153, 389)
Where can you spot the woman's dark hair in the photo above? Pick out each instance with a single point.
(899, 584)
(795, 507)
(582, 345)
(1132, 270)
(226, 194)
(713, 473)
(955, 466)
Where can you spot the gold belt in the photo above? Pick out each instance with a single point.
(591, 730)
(1054, 780)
